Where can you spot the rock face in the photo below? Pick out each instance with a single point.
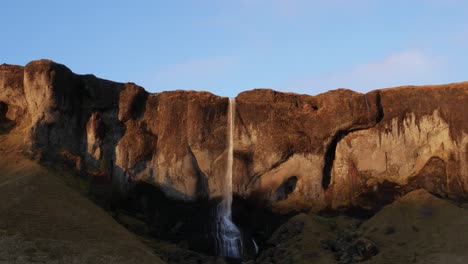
(174, 139)
(293, 152)
(282, 137)
(421, 142)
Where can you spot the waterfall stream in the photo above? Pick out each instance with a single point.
(228, 236)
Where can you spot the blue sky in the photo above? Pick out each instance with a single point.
(228, 46)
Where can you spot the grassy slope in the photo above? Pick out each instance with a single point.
(417, 228)
(44, 220)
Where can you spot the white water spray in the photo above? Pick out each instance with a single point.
(228, 236)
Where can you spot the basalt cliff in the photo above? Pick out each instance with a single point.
(336, 150)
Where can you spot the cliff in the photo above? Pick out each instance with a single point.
(339, 149)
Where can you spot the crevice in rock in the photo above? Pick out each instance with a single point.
(330, 157)
(340, 134)
(258, 175)
(202, 189)
(380, 110)
(6, 125)
(138, 105)
(286, 188)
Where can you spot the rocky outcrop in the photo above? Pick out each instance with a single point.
(292, 152)
(421, 142)
(12, 97)
(175, 140)
(281, 137)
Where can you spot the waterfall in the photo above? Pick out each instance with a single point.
(228, 236)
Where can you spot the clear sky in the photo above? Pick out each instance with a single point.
(228, 46)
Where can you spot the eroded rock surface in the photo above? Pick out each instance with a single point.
(284, 135)
(421, 142)
(293, 152)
